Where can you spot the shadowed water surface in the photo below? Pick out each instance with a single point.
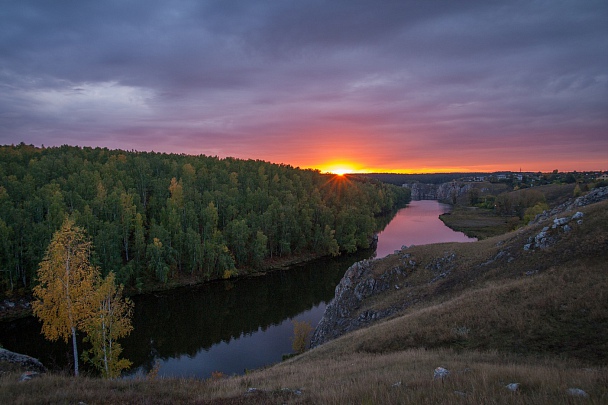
(230, 326)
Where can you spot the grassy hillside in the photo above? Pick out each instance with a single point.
(484, 220)
(491, 312)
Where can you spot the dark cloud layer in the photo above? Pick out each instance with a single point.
(403, 84)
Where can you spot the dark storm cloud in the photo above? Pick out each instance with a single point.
(233, 77)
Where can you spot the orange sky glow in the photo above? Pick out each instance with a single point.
(393, 87)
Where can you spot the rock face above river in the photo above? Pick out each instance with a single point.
(442, 192)
(359, 282)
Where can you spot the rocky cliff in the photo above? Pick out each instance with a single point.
(443, 192)
(419, 273)
(358, 283)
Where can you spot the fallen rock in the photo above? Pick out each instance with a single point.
(577, 392)
(513, 387)
(28, 375)
(560, 221)
(440, 373)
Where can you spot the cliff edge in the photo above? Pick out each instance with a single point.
(372, 290)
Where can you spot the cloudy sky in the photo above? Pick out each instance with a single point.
(365, 85)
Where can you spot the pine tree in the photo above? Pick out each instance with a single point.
(67, 283)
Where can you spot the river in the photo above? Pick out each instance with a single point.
(230, 326)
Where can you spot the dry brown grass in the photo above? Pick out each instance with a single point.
(328, 375)
(561, 312)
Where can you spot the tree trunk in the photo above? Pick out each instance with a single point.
(75, 351)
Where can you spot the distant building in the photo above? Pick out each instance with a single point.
(603, 177)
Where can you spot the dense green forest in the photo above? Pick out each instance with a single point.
(154, 216)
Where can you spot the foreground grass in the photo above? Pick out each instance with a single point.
(329, 376)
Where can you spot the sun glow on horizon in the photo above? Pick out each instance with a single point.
(340, 172)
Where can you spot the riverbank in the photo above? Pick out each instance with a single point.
(480, 223)
(503, 317)
(18, 304)
(487, 220)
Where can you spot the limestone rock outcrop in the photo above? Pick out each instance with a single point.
(442, 192)
(341, 314)
(592, 197)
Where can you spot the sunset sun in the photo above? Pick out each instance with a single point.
(341, 171)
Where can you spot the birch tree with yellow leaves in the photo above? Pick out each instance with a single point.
(110, 321)
(66, 286)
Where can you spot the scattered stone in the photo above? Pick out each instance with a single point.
(567, 228)
(397, 384)
(252, 390)
(513, 387)
(560, 221)
(594, 196)
(290, 391)
(577, 392)
(28, 375)
(578, 215)
(460, 393)
(527, 246)
(440, 373)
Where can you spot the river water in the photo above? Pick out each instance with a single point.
(231, 326)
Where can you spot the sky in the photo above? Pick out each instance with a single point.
(350, 85)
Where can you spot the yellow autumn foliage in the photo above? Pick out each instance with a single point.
(66, 285)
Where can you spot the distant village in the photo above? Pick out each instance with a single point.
(531, 179)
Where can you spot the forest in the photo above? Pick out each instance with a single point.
(153, 217)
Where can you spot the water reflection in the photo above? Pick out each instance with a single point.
(418, 224)
(223, 326)
(230, 326)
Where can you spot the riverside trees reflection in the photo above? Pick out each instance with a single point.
(185, 322)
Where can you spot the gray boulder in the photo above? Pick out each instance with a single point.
(21, 361)
(440, 373)
(577, 392)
